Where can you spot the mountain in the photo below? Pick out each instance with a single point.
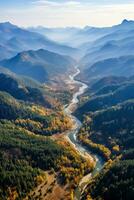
(14, 39)
(109, 124)
(24, 113)
(107, 92)
(19, 89)
(41, 65)
(83, 38)
(108, 49)
(113, 128)
(31, 91)
(123, 66)
(115, 32)
(118, 40)
(108, 81)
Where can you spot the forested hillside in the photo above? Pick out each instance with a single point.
(26, 89)
(29, 154)
(25, 158)
(33, 117)
(114, 182)
(107, 110)
(105, 93)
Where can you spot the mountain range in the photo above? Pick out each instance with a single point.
(121, 66)
(35, 64)
(82, 37)
(14, 39)
(116, 42)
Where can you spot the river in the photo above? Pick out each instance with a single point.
(72, 136)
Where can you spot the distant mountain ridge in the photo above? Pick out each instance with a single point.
(14, 39)
(116, 41)
(80, 36)
(123, 66)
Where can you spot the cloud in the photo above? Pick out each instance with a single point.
(82, 2)
(55, 3)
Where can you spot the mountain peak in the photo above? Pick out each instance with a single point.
(125, 21)
(7, 25)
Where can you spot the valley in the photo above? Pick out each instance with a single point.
(67, 113)
(72, 136)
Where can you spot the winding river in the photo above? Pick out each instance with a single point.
(72, 136)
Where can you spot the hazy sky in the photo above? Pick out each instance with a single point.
(58, 13)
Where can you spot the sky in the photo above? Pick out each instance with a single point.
(62, 13)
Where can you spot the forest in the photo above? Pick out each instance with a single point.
(25, 156)
(33, 117)
(108, 130)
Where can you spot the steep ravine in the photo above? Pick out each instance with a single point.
(72, 136)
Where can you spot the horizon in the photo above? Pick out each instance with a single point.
(63, 13)
(65, 27)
